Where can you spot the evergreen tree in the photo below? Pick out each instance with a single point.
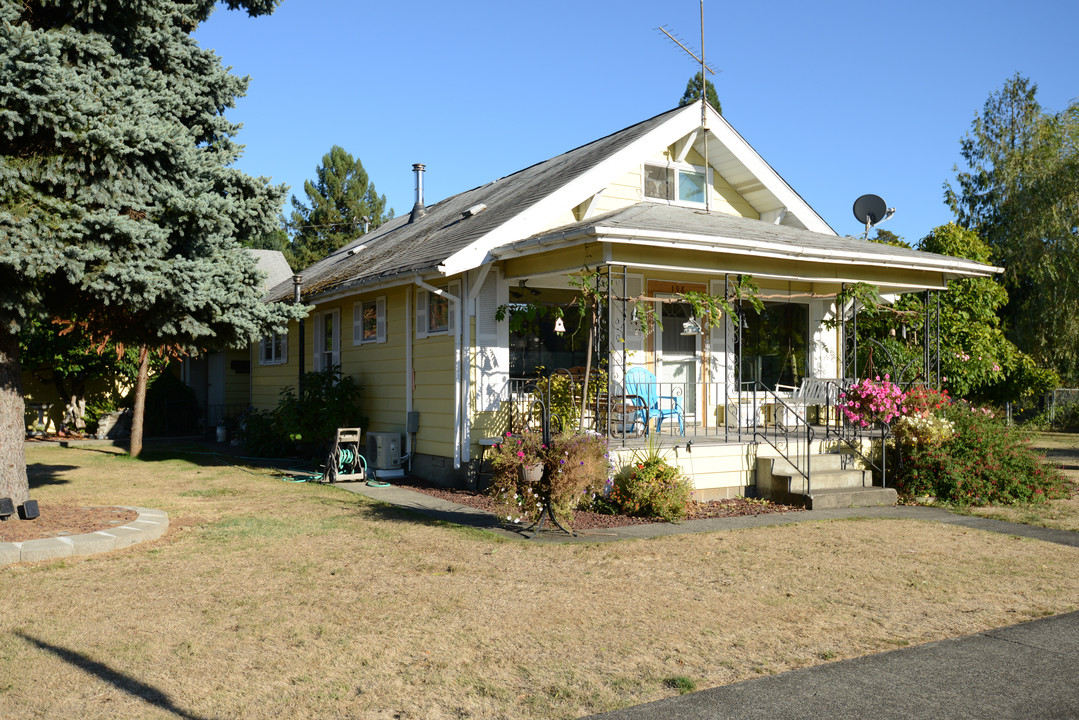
(340, 202)
(693, 93)
(119, 204)
(1020, 191)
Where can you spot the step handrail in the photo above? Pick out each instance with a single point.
(851, 435)
(780, 436)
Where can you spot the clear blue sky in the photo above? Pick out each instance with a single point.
(841, 98)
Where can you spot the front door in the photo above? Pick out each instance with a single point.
(677, 355)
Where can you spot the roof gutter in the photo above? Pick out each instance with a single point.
(738, 246)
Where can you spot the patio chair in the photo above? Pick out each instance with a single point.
(644, 384)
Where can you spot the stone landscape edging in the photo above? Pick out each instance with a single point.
(149, 525)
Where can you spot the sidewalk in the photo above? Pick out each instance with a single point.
(1028, 671)
(463, 515)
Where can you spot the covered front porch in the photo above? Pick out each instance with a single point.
(707, 331)
(728, 402)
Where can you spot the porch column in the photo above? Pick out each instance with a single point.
(850, 334)
(931, 338)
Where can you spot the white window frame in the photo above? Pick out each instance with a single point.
(423, 300)
(676, 169)
(277, 345)
(379, 305)
(319, 354)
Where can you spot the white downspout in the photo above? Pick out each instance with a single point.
(466, 372)
(458, 303)
(410, 373)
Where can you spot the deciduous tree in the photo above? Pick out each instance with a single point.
(1020, 191)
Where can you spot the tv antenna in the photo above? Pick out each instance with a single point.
(871, 210)
(704, 97)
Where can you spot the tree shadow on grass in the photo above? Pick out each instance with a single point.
(41, 474)
(420, 514)
(117, 679)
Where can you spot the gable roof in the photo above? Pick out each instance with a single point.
(521, 204)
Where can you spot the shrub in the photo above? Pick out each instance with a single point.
(307, 421)
(262, 433)
(984, 462)
(328, 401)
(652, 487)
(578, 468)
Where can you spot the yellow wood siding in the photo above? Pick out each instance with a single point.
(378, 368)
(237, 384)
(433, 398)
(268, 380)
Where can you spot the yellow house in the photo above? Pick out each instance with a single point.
(667, 206)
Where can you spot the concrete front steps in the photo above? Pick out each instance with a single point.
(835, 481)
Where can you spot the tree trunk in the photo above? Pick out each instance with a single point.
(587, 370)
(140, 402)
(13, 482)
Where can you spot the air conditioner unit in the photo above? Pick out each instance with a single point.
(384, 454)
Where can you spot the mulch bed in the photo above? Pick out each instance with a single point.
(59, 519)
(735, 507)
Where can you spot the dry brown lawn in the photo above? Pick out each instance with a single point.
(275, 600)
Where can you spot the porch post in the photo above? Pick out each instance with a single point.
(931, 339)
(616, 330)
(733, 365)
(850, 337)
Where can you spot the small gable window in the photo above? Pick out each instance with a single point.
(683, 184)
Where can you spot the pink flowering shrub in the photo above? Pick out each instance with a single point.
(868, 402)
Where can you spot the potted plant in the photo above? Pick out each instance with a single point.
(521, 455)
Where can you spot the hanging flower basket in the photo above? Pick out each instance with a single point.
(531, 473)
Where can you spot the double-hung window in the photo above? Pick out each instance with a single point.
(435, 312)
(327, 351)
(369, 321)
(681, 184)
(273, 350)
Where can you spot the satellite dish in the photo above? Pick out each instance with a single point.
(870, 209)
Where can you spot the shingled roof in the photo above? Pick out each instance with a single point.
(660, 223)
(400, 247)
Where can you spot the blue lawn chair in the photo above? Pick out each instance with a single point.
(643, 383)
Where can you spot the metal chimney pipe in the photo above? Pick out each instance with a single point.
(418, 209)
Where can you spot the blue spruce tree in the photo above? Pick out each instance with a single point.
(119, 204)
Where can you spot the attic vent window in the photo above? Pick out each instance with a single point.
(681, 184)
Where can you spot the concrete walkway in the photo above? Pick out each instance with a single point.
(439, 509)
